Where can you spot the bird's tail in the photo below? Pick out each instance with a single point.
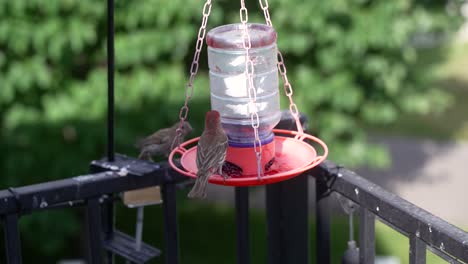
(199, 189)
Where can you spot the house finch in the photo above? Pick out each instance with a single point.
(211, 153)
(160, 142)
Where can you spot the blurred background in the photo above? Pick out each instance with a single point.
(382, 82)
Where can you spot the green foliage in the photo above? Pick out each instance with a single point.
(358, 66)
(351, 63)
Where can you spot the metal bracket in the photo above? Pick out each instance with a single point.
(124, 246)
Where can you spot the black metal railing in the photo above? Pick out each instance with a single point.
(287, 208)
(287, 214)
(424, 230)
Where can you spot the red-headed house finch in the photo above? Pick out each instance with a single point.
(160, 142)
(211, 153)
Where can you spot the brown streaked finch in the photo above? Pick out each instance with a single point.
(211, 153)
(160, 142)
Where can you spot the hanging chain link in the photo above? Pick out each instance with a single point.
(252, 91)
(289, 92)
(193, 72)
(249, 72)
(266, 12)
(282, 69)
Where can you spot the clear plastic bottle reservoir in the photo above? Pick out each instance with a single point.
(229, 85)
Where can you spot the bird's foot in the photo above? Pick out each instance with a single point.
(223, 174)
(145, 156)
(225, 177)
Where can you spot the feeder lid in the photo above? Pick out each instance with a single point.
(230, 36)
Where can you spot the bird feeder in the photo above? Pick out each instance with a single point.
(230, 92)
(244, 62)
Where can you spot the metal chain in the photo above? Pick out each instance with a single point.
(289, 92)
(282, 69)
(183, 113)
(266, 13)
(252, 91)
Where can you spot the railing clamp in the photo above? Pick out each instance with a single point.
(17, 196)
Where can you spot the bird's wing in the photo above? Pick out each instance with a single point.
(159, 137)
(223, 151)
(210, 155)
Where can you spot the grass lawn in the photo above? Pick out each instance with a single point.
(452, 124)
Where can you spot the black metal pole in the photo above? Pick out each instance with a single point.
(242, 222)
(109, 209)
(417, 252)
(366, 236)
(94, 231)
(12, 239)
(323, 242)
(108, 225)
(287, 212)
(170, 223)
(110, 80)
(287, 221)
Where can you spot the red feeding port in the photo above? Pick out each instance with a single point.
(292, 157)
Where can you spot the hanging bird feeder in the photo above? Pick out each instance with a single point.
(244, 62)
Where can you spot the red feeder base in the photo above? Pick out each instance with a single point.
(292, 157)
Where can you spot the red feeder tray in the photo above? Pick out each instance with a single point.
(292, 157)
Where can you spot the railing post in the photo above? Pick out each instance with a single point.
(108, 210)
(242, 223)
(12, 239)
(287, 221)
(323, 241)
(287, 212)
(94, 231)
(108, 225)
(417, 251)
(171, 235)
(366, 236)
(110, 80)
(274, 223)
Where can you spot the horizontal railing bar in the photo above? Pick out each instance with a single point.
(65, 205)
(80, 203)
(126, 174)
(444, 256)
(436, 251)
(439, 253)
(406, 216)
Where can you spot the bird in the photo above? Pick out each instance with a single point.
(160, 142)
(211, 153)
